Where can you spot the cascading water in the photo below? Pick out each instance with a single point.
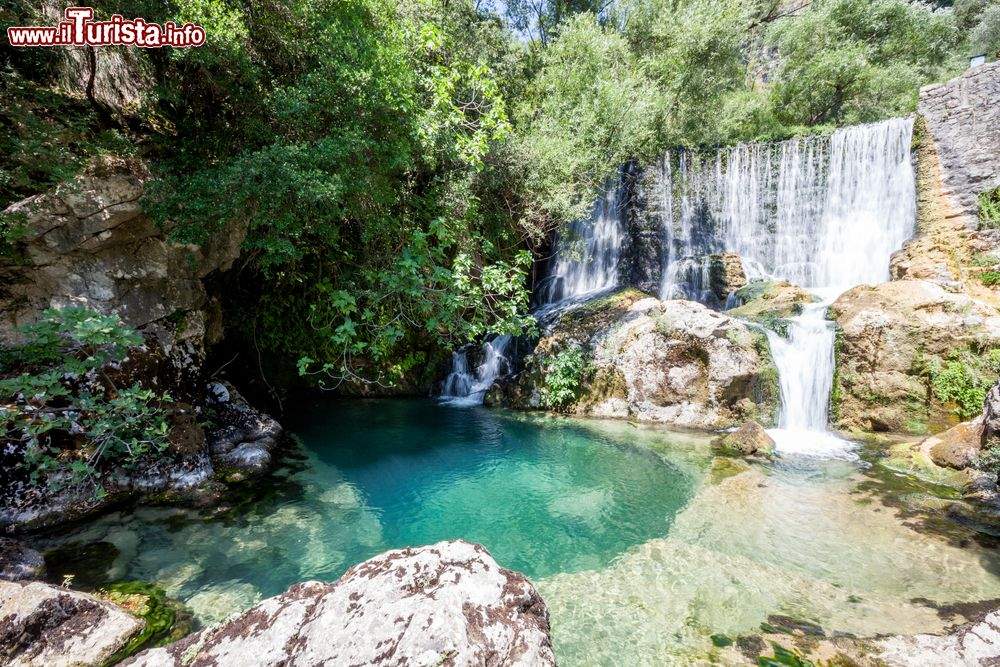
(587, 254)
(825, 213)
(816, 211)
(463, 388)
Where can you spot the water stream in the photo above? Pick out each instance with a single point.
(464, 388)
(641, 542)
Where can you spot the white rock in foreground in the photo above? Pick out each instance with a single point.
(46, 626)
(448, 603)
(974, 644)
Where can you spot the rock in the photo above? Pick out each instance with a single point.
(726, 274)
(976, 643)
(957, 447)
(991, 417)
(88, 243)
(245, 436)
(749, 440)
(673, 362)
(18, 562)
(449, 603)
(770, 303)
(46, 626)
(888, 336)
(961, 118)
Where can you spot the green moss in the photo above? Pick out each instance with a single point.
(721, 641)
(166, 620)
(990, 278)
(754, 289)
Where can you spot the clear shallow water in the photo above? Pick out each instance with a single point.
(642, 544)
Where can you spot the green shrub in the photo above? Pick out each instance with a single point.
(59, 404)
(563, 378)
(989, 209)
(964, 379)
(990, 278)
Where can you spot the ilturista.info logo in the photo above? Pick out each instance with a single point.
(80, 29)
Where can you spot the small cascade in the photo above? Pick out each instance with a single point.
(587, 254)
(805, 363)
(462, 387)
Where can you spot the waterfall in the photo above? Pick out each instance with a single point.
(464, 388)
(587, 253)
(816, 211)
(825, 213)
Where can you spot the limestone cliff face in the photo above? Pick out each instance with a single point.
(88, 243)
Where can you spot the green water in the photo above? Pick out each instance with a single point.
(641, 542)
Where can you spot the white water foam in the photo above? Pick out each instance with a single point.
(463, 388)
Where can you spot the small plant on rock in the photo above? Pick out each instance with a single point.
(989, 209)
(60, 407)
(564, 378)
(964, 379)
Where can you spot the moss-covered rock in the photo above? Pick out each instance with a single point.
(912, 357)
(166, 620)
(770, 303)
(748, 440)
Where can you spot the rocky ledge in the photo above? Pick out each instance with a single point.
(42, 626)
(632, 356)
(893, 339)
(448, 603)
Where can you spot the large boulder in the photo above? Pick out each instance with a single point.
(893, 338)
(449, 603)
(957, 447)
(46, 626)
(674, 362)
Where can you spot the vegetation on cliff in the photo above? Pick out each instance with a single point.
(396, 165)
(60, 403)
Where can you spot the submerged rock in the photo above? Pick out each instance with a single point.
(749, 440)
(448, 603)
(42, 625)
(18, 562)
(674, 362)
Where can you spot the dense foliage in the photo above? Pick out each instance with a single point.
(58, 402)
(392, 167)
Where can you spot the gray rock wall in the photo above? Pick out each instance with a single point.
(963, 119)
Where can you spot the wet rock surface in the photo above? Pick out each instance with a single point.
(748, 440)
(448, 603)
(44, 626)
(19, 562)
